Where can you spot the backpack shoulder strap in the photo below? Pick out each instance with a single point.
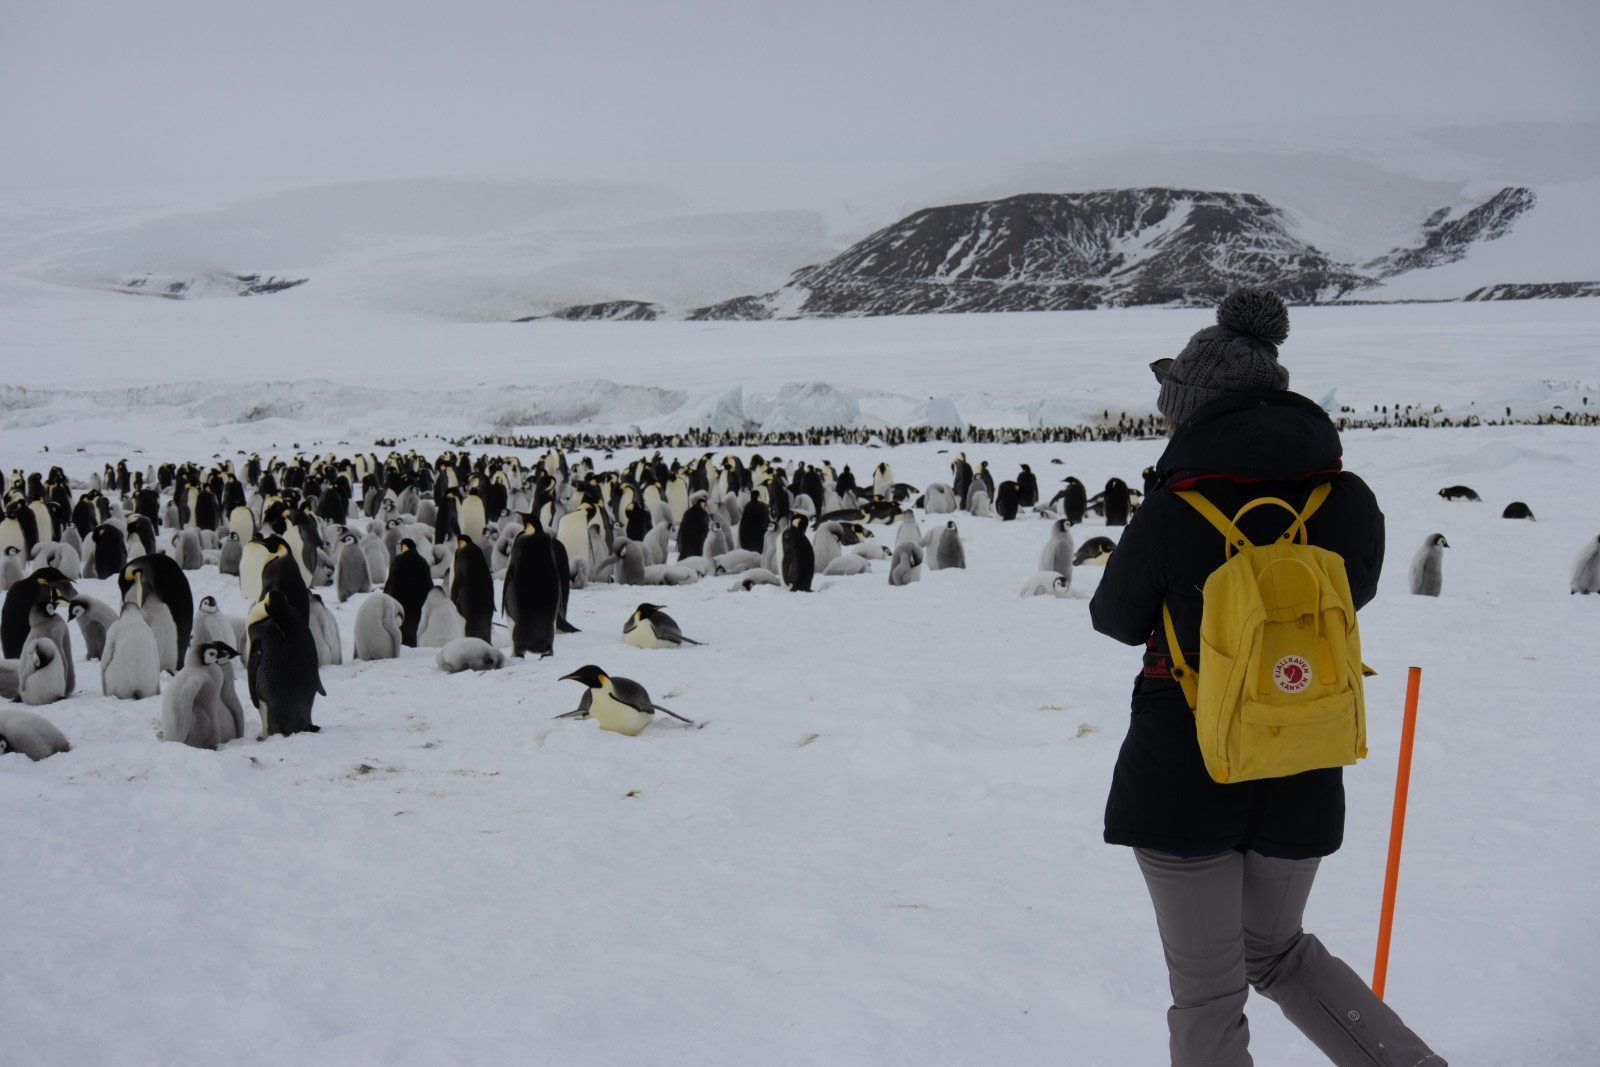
(1215, 517)
(1187, 680)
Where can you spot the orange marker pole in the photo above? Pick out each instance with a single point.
(1397, 829)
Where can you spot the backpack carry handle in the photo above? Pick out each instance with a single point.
(1235, 539)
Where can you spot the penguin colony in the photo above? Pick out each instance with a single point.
(444, 553)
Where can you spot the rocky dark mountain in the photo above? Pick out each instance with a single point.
(1534, 291)
(186, 287)
(1110, 248)
(609, 311)
(1446, 240)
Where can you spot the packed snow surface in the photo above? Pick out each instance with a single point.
(883, 847)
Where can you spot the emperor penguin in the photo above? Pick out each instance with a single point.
(377, 633)
(45, 622)
(130, 665)
(41, 673)
(620, 705)
(282, 669)
(377, 554)
(1459, 492)
(947, 550)
(230, 554)
(826, 545)
(1427, 566)
(1058, 553)
(629, 568)
(1586, 568)
(651, 627)
(210, 624)
(60, 555)
(350, 572)
(32, 735)
(797, 562)
(1517, 510)
(1117, 503)
(693, 529)
(1074, 500)
(1094, 552)
(440, 623)
(257, 553)
(471, 588)
(325, 632)
(882, 479)
(94, 618)
(573, 532)
(410, 581)
(938, 499)
(110, 550)
(192, 710)
(37, 587)
(905, 566)
(10, 566)
(469, 654)
(185, 548)
(1007, 500)
(1027, 487)
(531, 595)
(1048, 583)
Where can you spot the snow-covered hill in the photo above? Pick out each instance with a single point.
(481, 250)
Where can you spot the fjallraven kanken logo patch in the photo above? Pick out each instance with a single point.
(1277, 690)
(1291, 674)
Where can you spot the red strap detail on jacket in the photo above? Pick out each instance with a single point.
(1194, 480)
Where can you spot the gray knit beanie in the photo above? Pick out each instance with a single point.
(1239, 353)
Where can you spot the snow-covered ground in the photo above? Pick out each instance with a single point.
(884, 847)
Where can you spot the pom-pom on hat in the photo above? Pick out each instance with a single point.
(1239, 353)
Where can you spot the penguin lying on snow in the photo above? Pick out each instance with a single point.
(1458, 492)
(1094, 552)
(32, 735)
(1048, 583)
(1517, 510)
(469, 654)
(620, 705)
(651, 627)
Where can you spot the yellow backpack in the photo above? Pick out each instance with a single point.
(1278, 686)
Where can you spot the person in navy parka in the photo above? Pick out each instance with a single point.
(1230, 866)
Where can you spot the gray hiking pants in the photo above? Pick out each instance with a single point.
(1234, 918)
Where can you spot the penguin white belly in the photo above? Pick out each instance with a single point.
(612, 714)
(643, 635)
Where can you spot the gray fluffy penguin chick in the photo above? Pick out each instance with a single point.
(749, 579)
(1586, 568)
(1427, 566)
(192, 710)
(378, 627)
(230, 554)
(1059, 550)
(847, 564)
(62, 557)
(469, 654)
(629, 568)
(825, 545)
(938, 499)
(32, 735)
(94, 618)
(651, 627)
(737, 560)
(186, 549)
(947, 550)
(905, 566)
(211, 625)
(130, 666)
(377, 554)
(10, 567)
(350, 572)
(325, 632)
(908, 530)
(440, 623)
(45, 621)
(41, 675)
(1047, 583)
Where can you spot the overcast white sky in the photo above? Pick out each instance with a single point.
(156, 92)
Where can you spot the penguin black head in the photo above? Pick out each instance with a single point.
(217, 652)
(589, 674)
(407, 545)
(645, 611)
(208, 603)
(1438, 539)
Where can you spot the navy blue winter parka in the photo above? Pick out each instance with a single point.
(1234, 449)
